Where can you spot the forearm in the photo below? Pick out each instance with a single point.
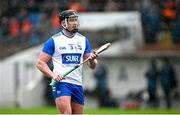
(43, 67)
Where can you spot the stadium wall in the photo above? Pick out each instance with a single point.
(21, 83)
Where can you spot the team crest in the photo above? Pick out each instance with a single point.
(76, 46)
(79, 45)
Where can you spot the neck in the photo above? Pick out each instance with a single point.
(69, 34)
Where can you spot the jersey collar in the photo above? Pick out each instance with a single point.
(66, 35)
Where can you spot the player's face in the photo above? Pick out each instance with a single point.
(73, 23)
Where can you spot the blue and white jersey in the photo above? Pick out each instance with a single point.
(66, 53)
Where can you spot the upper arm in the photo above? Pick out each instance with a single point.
(87, 50)
(47, 51)
(87, 47)
(44, 57)
(49, 47)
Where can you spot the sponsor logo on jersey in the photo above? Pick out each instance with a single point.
(71, 58)
(62, 48)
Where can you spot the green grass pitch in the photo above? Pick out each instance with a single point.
(52, 110)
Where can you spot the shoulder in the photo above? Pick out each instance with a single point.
(80, 35)
(56, 35)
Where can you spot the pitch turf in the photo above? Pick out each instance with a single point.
(52, 110)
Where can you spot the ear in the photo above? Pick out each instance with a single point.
(63, 24)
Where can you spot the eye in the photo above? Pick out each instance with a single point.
(73, 19)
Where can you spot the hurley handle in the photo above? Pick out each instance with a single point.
(53, 82)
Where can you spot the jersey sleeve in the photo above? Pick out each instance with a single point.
(49, 47)
(88, 47)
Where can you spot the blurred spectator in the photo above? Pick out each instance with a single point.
(77, 6)
(175, 31)
(34, 19)
(101, 90)
(26, 26)
(151, 21)
(169, 11)
(48, 7)
(100, 75)
(26, 32)
(97, 5)
(111, 6)
(14, 27)
(4, 26)
(168, 80)
(35, 38)
(152, 75)
(32, 6)
(44, 24)
(55, 21)
(22, 15)
(164, 36)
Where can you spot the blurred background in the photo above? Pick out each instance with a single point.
(139, 70)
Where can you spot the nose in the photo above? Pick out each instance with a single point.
(75, 22)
